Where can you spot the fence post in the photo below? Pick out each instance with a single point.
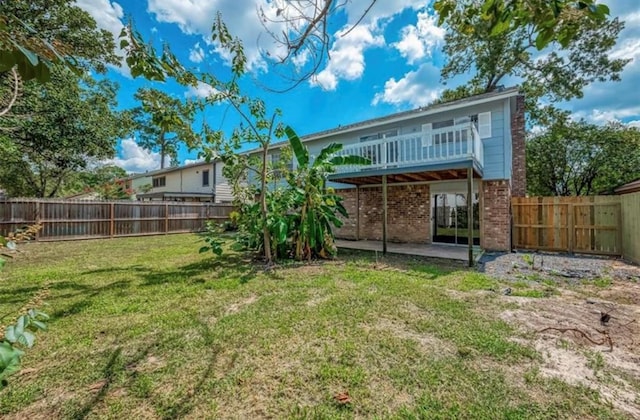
(570, 229)
(112, 220)
(166, 218)
(38, 218)
(619, 224)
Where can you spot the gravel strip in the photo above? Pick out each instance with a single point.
(536, 266)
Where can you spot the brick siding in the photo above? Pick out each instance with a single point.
(519, 166)
(495, 233)
(409, 213)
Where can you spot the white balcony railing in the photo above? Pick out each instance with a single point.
(415, 149)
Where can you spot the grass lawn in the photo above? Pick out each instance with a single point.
(149, 328)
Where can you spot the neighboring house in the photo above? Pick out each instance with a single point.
(200, 181)
(425, 157)
(138, 183)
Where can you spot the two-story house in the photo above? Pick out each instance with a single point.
(200, 181)
(438, 174)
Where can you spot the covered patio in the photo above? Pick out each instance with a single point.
(448, 252)
(465, 169)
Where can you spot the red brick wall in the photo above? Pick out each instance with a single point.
(348, 229)
(519, 167)
(408, 214)
(495, 232)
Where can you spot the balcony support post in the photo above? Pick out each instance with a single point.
(470, 213)
(384, 214)
(357, 212)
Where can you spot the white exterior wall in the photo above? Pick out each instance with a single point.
(192, 179)
(189, 180)
(222, 188)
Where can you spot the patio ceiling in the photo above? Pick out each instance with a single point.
(439, 175)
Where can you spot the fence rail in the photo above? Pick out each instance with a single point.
(66, 220)
(590, 225)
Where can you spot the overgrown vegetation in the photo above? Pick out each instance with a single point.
(148, 328)
(19, 335)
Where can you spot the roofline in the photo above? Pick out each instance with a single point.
(416, 113)
(179, 168)
(405, 115)
(629, 187)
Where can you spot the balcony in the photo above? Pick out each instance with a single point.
(437, 146)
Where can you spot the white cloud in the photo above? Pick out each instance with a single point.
(190, 161)
(108, 15)
(241, 16)
(196, 54)
(242, 19)
(347, 58)
(202, 90)
(418, 88)
(419, 41)
(634, 123)
(133, 158)
(599, 116)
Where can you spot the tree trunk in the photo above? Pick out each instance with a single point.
(162, 150)
(263, 205)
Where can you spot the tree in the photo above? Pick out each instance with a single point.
(562, 73)
(35, 33)
(163, 123)
(577, 158)
(71, 120)
(94, 177)
(549, 21)
(318, 205)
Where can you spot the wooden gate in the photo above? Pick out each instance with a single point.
(589, 225)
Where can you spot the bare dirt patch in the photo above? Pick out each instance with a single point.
(428, 343)
(236, 307)
(580, 345)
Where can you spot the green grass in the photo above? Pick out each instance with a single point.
(149, 328)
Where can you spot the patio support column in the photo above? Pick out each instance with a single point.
(384, 214)
(470, 213)
(357, 212)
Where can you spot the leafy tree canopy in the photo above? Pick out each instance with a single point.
(61, 126)
(163, 122)
(35, 33)
(561, 72)
(577, 158)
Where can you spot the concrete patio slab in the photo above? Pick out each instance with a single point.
(449, 252)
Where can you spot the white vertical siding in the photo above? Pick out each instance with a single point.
(222, 188)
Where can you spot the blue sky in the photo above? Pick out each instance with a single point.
(390, 62)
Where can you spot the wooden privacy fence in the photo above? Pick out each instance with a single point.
(65, 220)
(591, 225)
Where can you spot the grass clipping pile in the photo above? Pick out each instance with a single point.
(588, 338)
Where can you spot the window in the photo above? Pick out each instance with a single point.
(205, 178)
(159, 182)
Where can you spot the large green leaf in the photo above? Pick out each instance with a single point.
(299, 150)
(349, 160)
(9, 360)
(326, 152)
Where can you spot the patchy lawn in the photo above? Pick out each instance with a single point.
(149, 328)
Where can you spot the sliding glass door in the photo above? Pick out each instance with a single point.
(451, 221)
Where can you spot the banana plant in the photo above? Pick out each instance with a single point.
(318, 205)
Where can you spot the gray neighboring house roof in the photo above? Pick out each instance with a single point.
(629, 187)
